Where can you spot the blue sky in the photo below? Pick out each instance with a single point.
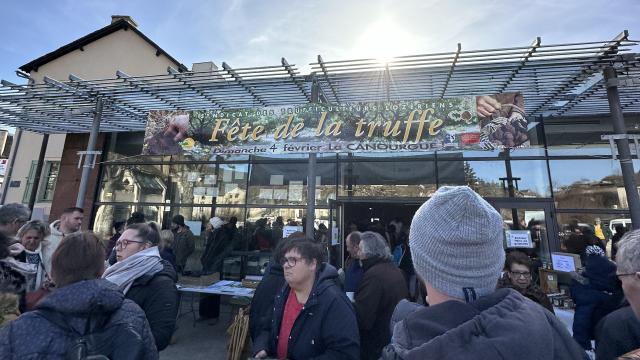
(249, 33)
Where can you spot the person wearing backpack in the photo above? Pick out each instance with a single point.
(85, 316)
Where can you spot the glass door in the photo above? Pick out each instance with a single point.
(530, 226)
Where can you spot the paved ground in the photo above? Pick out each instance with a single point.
(203, 341)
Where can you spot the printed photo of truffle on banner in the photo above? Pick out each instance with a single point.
(472, 122)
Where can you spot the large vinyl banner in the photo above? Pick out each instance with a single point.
(474, 122)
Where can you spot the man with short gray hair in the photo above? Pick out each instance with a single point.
(12, 217)
(382, 287)
(628, 261)
(619, 332)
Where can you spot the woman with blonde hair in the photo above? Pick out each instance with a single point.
(166, 247)
(33, 254)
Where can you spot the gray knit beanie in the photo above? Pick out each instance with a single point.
(456, 242)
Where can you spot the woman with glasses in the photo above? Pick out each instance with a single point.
(146, 279)
(518, 277)
(312, 317)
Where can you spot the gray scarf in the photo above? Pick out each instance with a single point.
(125, 272)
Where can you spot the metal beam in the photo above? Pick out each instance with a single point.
(239, 81)
(451, 69)
(182, 78)
(534, 46)
(295, 80)
(326, 78)
(139, 84)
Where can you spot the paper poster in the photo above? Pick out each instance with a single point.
(194, 226)
(227, 175)
(518, 239)
(563, 262)
(199, 191)
(266, 194)
(212, 191)
(192, 176)
(288, 230)
(276, 180)
(239, 175)
(227, 188)
(210, 179)
(295, 190)
(335, 236)
(318, 180)
(280, 194)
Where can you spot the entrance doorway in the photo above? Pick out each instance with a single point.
(365, 214)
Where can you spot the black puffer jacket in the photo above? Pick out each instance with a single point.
(325, 329)
(262, 302)
(157, 295)
(383, 286)
(502, 325)
(32, 337)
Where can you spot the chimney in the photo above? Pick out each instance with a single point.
(126, 18)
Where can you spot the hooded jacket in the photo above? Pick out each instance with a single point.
(382, 287)
(50, 244)
(32, 336)
(325, 329)
(157, 295)
(501, 325)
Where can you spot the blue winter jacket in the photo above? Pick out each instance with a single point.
(32, 337)
(325, 329)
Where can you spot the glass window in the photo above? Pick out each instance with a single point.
(200, 184)
(587, 184)
(30, 180)
(106, 215)
(569, 223)
(134, 183)
(532, 178)
(49, 179)
(388, 179)
(286, 183)
(487, 178)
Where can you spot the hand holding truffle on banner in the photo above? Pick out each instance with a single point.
(502, 120)
(167, 133)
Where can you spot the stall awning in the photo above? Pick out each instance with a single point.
(556, 80)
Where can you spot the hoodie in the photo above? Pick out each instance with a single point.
(50, 244)
(326, 328)
(32, 336)
(501, 325)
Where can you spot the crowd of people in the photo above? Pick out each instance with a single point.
(442, 288)
(65, 293)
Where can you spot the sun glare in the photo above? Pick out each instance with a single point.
(384, 39)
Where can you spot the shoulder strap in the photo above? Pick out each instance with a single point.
(57, 319)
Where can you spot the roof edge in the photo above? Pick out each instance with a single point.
(89, 38)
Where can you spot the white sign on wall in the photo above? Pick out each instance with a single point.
(518, 239)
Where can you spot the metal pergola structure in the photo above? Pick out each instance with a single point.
(575, 79)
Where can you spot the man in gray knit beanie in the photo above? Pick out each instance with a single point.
(456, 244)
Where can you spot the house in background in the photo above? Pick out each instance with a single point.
(98, 55)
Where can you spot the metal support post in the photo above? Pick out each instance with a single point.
(311, 196)
(311, 177)
(626, 163)
(89, 160)
(36, 178)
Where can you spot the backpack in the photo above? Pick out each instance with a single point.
(119, 341)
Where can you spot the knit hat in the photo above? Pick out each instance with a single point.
(216, 222)
(456, 242)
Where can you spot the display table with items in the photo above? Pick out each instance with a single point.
(234, 289)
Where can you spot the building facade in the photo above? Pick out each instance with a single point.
(118, 46)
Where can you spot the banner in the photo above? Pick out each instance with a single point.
(473, 122)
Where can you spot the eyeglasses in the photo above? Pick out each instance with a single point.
(122, 244)
(289, 261)
(519, 274)
(620, 276)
